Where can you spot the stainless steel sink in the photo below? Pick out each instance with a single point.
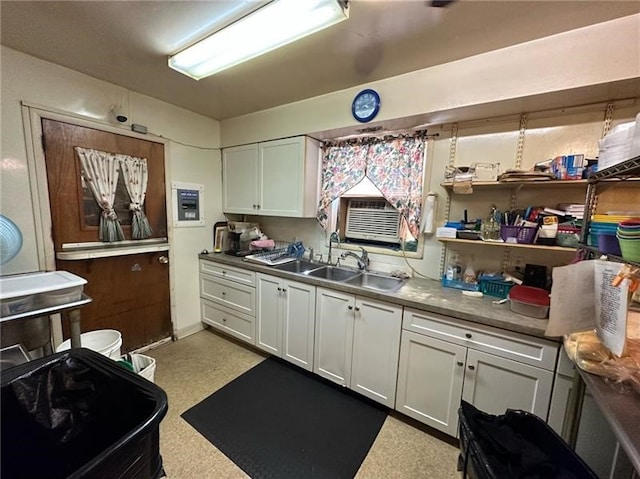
(376, 281)
(333, 273)
(298, 266)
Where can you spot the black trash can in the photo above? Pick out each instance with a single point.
(79, 414)
(514, 445)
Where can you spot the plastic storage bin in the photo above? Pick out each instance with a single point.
(77, 414)
(496, 288)
(522, 234)
(529, 301)
(515, 444)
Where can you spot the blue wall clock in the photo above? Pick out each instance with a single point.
(366, 105)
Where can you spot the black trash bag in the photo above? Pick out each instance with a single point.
(514, 445)
(78, 414)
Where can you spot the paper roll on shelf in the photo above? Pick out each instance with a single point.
(429, 212)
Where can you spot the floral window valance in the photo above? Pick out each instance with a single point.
(100, 170)
(395, 165)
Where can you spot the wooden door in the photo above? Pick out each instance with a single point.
(130, 292)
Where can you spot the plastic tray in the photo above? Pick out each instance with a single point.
(447, 283)
(497, 288)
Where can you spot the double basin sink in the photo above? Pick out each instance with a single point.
(362, 279)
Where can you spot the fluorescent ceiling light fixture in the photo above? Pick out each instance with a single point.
(272, 26)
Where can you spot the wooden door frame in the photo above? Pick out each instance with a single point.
(32, 116)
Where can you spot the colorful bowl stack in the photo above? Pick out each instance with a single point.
(629, 238)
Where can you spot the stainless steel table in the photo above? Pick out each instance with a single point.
(74, 316)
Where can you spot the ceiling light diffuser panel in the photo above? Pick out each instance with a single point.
(272, 26)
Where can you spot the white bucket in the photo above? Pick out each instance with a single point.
(104, 341)
(145, 366)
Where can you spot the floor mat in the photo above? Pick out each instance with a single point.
(277, 421)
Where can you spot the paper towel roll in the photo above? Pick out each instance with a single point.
(428, 216)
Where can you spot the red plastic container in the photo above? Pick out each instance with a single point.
(529, 301)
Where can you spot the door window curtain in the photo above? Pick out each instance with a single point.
(136, 175)
(100, 171)
(343, 167)
(395, 165)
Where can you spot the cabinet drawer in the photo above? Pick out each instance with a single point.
(232, 295)
(236, 324)
(230, 273)
(506, 344)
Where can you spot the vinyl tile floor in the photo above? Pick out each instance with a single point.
(192, 368)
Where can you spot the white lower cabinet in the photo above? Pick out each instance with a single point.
(285, 319)
(447, 361)
(227, 300)
(357, 343)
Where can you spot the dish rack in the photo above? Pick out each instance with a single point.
(283, 252)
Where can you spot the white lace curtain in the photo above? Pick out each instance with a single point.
(136, 175)
(101, 170)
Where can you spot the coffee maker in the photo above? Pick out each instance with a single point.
(233, 240)
(239, 237)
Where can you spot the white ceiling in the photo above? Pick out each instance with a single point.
(128, 42)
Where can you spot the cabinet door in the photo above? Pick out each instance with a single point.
(376, 347)
(430, 378)
(494, 384)
(240, 179)
(268, 325)
(333, 335)
(298, 321)
(281, 174)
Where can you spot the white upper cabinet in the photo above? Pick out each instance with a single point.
(273, 178)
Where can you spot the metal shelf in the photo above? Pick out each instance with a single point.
(521, 184)
(627, 169)
(509, 245)
(593, 251)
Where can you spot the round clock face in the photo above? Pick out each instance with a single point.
(365, 105)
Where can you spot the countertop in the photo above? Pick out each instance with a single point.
(423, 294)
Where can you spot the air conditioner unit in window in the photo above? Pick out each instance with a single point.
(373, 220)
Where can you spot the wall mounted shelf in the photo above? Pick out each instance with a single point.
(508, 245)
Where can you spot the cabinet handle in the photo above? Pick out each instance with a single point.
(284, 290)
(468, 335)
(224, 272)
(258, 206)
(357, 308)
(223, 293)
(460, 363)
(350, 307)
(471, 367)
(279, 288)
(224, 320)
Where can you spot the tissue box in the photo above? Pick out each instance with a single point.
(445, 232)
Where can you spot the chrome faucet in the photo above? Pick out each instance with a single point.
(363, 259)
(332, 237)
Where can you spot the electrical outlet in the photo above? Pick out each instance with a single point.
(518, 263)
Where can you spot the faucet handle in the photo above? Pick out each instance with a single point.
(365, 254)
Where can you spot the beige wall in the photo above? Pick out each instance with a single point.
(593, 55)
(27, 79)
